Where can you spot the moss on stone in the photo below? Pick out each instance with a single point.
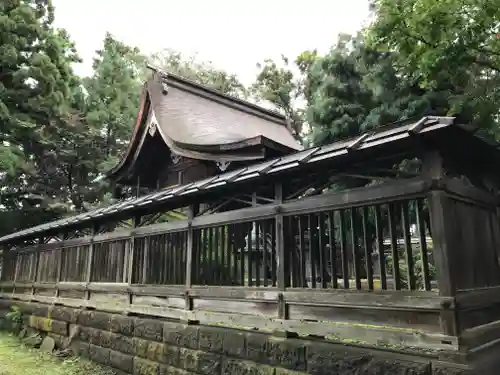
(41, 324)
(145, 367)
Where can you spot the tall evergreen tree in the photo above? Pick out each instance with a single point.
(35, 89)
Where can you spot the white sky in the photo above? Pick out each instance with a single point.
(234, 35)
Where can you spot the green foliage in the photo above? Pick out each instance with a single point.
(418, 269)
(451, 46)
(202, 72)
(36, 91)
(15, 316)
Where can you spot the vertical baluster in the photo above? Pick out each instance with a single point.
(302, 259)
(423, 246)
(241, 253)
(311, 224)
(394, 247)
(321, 248)
(380, 246)
(250, 254)
(223, 251)
(405, 222)
(332, 249)
(217, 265)
(355, 253)
(265, 254)
(367, 244)
(258, 253)
(274, 272)
(343, 250)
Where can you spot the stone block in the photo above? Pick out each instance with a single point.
(284, 371)
(80, 348)
(26, 308)
(101, 320)
(65, 314)
(145, 367)
(95, 319)
(185, 336)
(211, 339)
(239, 367)
(48, 345)
(140, 347)
(59, 327)
(199, 362)
(188, 359)
(169, 370)
(85, 318)
(5, 304)
(287, 353)
(209, 363)
(256, 347)
(99, 354)
(104, 338)
(122, 324)
(148, 329)
(122, 343)
(41, 324)
(171, 355)
(325, 359)
(85, 333)
(234, 344)
(40, 310)
(124, 362)
(447, 370)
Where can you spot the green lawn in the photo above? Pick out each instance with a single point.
(16, 359)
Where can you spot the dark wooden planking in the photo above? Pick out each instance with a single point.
(427, 321)
(354, 244)
(405, 223)
(394, 246)
(343, 250)
(367, 245)
(380, 247)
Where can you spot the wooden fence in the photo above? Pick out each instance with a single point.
(313, 266)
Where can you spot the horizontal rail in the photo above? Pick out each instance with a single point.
(365, 316)
(385, 300)
(379, 194)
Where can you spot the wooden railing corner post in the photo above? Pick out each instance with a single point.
(90, 261)
(192, 212)
(280, 240)
(445, 247)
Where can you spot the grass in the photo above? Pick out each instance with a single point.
(17, 359)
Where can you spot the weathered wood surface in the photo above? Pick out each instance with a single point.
(249, 308)
(311, 269)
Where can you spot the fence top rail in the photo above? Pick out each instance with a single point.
(371, 195)
(405, 137)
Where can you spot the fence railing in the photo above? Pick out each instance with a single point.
(360, 260)
(330, 242)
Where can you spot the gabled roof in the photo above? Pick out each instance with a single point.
(436, 132)
(197, 122)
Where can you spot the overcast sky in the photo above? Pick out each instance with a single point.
(234, 35)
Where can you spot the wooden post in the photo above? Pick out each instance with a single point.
(280, 250)
(90, 260)
(192, 212)
(131, 251)
(443, 237)
(16, 267)
(37, 262)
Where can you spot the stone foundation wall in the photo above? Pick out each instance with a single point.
(145, 346)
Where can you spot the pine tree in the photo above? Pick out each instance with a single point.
(35, 88)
